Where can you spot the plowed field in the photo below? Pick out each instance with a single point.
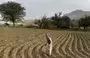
(30, 43)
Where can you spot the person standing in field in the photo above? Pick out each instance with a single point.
(49, 44)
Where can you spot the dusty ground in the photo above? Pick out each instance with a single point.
(30, 43)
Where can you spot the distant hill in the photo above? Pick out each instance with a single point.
(77, 14)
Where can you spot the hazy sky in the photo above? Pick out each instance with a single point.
(38, 8)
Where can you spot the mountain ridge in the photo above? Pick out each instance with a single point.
(77, 14)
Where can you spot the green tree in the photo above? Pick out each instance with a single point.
(12, 11)
(39, 23)
(74, 23)
(65, 22)
(56, 20)
(43, 23)
(84, 22)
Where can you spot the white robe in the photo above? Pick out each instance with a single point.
(49, 47)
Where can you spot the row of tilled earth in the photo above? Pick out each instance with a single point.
(30, 43)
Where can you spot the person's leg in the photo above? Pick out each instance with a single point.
(47, 49)
(50, 49)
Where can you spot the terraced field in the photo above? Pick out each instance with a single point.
(30, 43)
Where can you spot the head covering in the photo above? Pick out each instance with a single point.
(48, 38)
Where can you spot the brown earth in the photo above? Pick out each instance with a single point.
(30, 43)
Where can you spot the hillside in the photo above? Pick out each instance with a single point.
(77, 14)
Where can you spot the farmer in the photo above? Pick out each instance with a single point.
(49, 44)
